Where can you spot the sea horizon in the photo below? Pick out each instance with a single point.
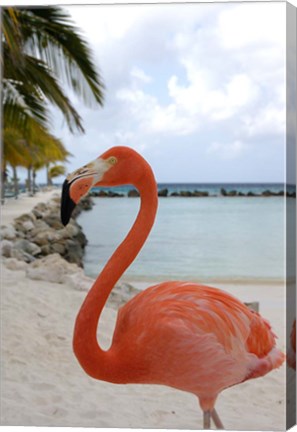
(211, 189)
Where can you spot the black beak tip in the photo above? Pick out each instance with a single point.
(67, 205)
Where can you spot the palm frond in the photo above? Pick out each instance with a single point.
(15, 151)
(56, 171)
(12, 34)
(42, 50)
(20, 103)
(49, 34)
(36, 74)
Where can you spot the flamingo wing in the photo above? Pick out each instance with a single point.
(192, 337)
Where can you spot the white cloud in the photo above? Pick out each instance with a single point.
(229, 150)
(190, 98)
(181, 74)
(151, 117)
(171, 121)
(219, 86)
(103, 23)
(140, 75)
(223, 83)
(251, 24)
(213, 103)
(136, 103)
(269, 120)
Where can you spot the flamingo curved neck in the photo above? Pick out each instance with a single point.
(96, 362)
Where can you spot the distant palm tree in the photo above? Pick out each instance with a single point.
(41, 49)
(35, 149)
(14, 154)
(45, 150)
(56, 171)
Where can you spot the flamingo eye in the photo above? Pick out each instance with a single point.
(112, 160)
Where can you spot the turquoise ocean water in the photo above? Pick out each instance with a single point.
(209, 239)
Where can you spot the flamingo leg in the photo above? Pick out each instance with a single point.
(206, 419)
(216, 419)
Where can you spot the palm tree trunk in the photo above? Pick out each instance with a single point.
(15, 182)
(48, 178)
(33, 181)
(3, 182)
(29, 180)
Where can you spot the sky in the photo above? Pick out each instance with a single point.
(197, 89)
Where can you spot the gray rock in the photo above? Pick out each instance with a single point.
(28, 225)
(163, 192)
(14, 264)
(6, 248)
(41, 233)
(52, 268)
(79, 281)
(21, 255)
(72, 229)
(198, 194)
(58, 248)
(186, 194)
(61, 235)
(40, 210)
(25, 217)
(53, 220)
(42, 207)
(45, 237)
(8, 232)
(40, 226)
(74, 252)
(27, 246)
(81, 239)
(122, 293)
(100, 193)
(86, 203)
(38, 214)
(46, 249)
(254, 305)
(133, 193)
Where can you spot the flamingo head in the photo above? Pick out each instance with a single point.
(117, 166)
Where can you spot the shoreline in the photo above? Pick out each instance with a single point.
(143, 281)
(43, 385)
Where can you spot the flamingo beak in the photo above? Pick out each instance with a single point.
(74, 188)
(67, 204)
(78, 185)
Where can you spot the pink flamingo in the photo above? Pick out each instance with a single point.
(180, 334)
(291, 354)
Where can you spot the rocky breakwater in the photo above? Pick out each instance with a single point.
(38, 245)
(40, 233)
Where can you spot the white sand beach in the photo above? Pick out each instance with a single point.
(23, 204)
(43, 384)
